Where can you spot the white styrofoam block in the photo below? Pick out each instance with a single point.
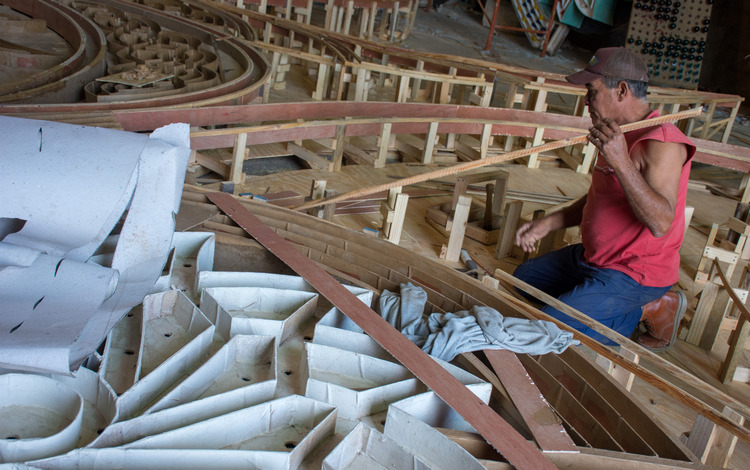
(277, 434)
(179, 416)
(209, 279)
(39, 417)
(366, 448)
(100, 402)
(244, 360)
(175, 338)
(192, 253)
(120, 356)
(149, 459)
(337, 330)
(431, 409)
(432, 446)
(356, 384)
(258, 310)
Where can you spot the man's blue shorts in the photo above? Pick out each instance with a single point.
(611, 297)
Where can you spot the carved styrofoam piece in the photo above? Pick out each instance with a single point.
(258, 310)
(158, 422)
(39, 417)
(175, 338)
(191, 253)
(358, 385)
(365, 447)
(243, 361)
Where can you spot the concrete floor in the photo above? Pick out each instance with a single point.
(456, 28)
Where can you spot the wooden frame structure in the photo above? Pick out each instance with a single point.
(356, 258)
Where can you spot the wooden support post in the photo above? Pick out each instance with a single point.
(384, 141)
(338, 152)
(360, 90)
(329, 210)
(429, 143)
(620, 374)
(736, 345)
(348, 19)
(711, 444)
(484, 141)
(709, 117)
(508, 229)
(589, 153)
(394, 22)
(701, 437)
(728, 128)
(402, 91)
(456, 239)
(702, 312)
(317, 191)
(724, 441)
(238, 158)
(399, 214)
(417, 84)
(538, 138)
(371, 24)
(489, 208)
(498, 200)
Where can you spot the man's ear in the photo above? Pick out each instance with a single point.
(623, 90)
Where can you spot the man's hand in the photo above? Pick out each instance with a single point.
(609, 139)
(530, 233)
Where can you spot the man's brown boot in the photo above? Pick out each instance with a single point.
(660, 321)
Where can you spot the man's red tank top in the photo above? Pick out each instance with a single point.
(612, 235)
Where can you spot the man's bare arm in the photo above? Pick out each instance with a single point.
(650, 179)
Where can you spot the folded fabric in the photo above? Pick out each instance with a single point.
(446, 335)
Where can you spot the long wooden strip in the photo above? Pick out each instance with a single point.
(495, 159)
(542, 421)
(658, 382)
(497, 431)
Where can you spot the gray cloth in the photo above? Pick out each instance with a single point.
(446, 335)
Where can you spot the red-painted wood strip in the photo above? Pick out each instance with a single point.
(519, 452)
(542, 421)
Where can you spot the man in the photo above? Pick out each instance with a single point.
(633, 217)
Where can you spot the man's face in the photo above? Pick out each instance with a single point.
(602, 101)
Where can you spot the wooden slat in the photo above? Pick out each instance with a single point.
(542, 421)
(497, 432)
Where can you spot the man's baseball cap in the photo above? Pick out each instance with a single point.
(615, 62)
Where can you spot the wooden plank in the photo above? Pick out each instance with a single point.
(507, 236)
(399, 214)
(340, 141)
(238, 158)
(458, 229)
(542, 421)
(502, 436)
(568, 407)
(702, 312)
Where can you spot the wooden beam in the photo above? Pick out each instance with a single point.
(479, 415)
(458, 229)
